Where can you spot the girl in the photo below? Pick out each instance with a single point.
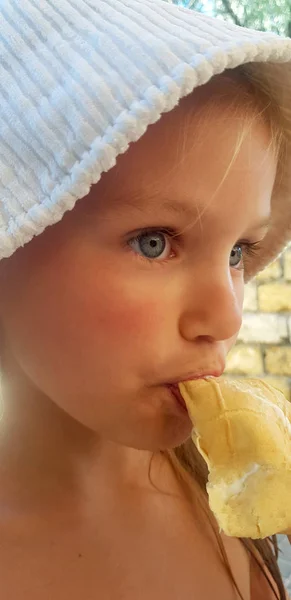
(102, 493)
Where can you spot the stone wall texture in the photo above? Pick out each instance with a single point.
(263, 348)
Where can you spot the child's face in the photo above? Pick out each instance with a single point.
(99, 330)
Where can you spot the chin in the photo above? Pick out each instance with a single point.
(171, 434)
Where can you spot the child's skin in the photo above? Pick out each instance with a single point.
(90, 332)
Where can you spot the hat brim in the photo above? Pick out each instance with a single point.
(120, 66)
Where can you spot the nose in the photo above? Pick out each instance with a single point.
(213, 306)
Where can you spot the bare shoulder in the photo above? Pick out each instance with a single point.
(239, 562)
(260, 588)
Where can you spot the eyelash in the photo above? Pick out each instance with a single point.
(251, 249)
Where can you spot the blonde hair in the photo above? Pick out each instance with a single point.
(188, 465)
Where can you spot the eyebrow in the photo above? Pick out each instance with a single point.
(147, 203)
(183, 208)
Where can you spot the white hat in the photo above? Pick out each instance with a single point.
(81, 79)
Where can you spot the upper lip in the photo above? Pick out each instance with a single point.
(200, 375)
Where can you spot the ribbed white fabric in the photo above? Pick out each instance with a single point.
(81, 79)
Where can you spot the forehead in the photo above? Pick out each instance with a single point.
(185, 157)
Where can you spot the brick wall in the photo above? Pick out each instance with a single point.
(263, 348)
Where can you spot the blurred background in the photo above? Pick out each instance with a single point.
(266, 15)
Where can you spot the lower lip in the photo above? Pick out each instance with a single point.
(178, 398)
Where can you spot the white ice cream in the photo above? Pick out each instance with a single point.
(236, 487)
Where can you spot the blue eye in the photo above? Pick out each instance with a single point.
(236, 256)
(154, 245)
(150, 244)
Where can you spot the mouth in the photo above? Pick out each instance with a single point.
(192, 376)
(174, 388)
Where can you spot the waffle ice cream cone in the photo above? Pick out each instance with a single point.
(242, 428)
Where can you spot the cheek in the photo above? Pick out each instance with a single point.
(70, 318)
(240, 294)
(239, 289)
(123, 319)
